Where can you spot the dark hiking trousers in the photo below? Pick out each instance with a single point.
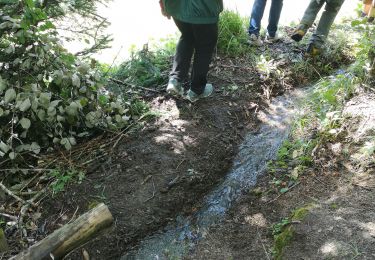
(200, 40)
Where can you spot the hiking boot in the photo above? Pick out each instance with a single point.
(174, 87)
(193, 97)
(313, 51)
(271, 39)
(254, 40)
(298, 33)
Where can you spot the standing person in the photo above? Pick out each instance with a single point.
(317, 40)
(197, 20)
(256, 19)
(369, 9)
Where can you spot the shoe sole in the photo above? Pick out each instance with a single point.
(297, 36)
(173, 91)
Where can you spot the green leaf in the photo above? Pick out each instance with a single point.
(66, 143)
(76, 81)
(103, 100)
(51, 111)
(25, 105)
(35, 148)
(72, 141)
(42, 115)
(44, 99)
(12, 155)
(46, 26)
(25, 123)
(4, 147)
(284, 190)
(10, 95)
(3, 85)
(54, 103)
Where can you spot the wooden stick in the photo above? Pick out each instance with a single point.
(133, 86)
(7, 191)
(71, 236)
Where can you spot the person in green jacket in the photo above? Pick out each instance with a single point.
(317, 40)
(197, 20)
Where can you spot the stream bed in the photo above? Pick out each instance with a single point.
(178, 239)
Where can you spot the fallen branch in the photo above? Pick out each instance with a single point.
(71, 236)
(7, 191)
(133, 86)
(26, 207)
(5, 215)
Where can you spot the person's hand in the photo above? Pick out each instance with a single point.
(163, 12)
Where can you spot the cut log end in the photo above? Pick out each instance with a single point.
(71, 236)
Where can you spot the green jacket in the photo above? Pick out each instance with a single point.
(194, 11)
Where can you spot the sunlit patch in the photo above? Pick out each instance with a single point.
(330, 248)
(369, 230)
(256, 220)
(176, 145)
(167, 109)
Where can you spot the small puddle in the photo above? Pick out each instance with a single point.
(175, 241)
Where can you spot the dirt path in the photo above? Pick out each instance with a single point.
(165, 167)
(332, 208)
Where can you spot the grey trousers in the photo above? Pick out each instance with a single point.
(332, 7)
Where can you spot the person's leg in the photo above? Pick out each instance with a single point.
(184, 52)
(330, 12)
(311, 12)
(371, 14)
(308, 19)
(274, 17)
(205, 41)
(366, 7)
(256, 16)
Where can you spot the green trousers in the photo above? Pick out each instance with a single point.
(332, 7)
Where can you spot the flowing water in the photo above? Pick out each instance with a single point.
(254, 153)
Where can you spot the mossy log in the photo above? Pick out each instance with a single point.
(70, 236)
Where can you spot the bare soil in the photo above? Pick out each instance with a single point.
(163, 168)
(339, 195)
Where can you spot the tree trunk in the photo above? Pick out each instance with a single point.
(70, 236)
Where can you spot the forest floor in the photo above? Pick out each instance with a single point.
(328, 215)
(165, 167)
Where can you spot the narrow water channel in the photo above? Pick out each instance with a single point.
(175, 241)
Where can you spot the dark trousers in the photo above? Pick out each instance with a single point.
(200, 40)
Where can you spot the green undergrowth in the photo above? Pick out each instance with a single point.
(283, 231)
(148, 67)
(322, 120)
(232, 34)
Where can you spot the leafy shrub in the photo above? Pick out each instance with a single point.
(47, 95)
(147, 67)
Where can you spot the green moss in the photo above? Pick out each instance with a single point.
(3, 242)
(285, 231)
(334, 206)
(257, 192)
(281, 241)
(300, 213)
(93, 204)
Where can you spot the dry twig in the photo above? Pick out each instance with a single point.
(7, 191)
